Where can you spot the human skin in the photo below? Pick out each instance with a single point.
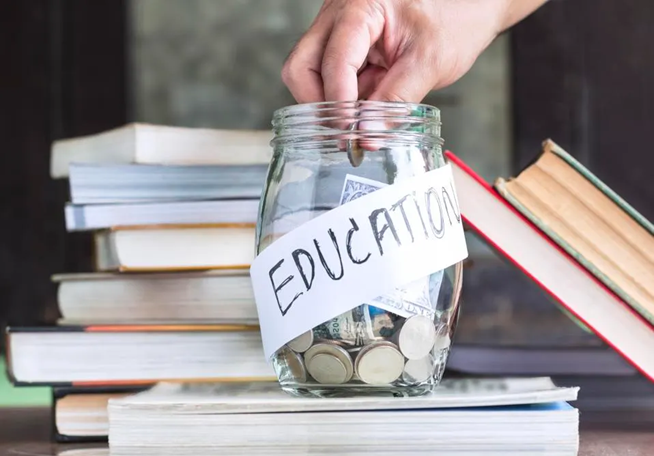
(394, 50)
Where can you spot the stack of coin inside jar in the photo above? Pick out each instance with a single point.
(367, 346)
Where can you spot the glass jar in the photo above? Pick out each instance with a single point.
(367, 349)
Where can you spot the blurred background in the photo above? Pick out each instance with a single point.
(577, 71)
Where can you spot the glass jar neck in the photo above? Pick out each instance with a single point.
(392, 123)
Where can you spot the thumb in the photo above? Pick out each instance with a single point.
(408, 80)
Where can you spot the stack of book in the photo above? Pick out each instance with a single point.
(557, 223)
(171, 302)
(171, 213)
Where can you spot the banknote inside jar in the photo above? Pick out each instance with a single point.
(367, 346)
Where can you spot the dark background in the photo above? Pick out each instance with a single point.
(63, 74)
(582, 72)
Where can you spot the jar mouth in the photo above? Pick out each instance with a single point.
(394, 107)
(355, 119)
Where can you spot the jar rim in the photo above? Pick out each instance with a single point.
(426, 111)
(306, 125)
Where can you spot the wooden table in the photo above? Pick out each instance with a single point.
(26, 432)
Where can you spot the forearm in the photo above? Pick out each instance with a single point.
(516, 10)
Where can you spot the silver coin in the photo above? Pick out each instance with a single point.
(442, 339)
(333, 350)
(417, 337)
(418, 370)
(379, 364)
(355, 152)
(325, 368)
(295, 364)
(363, 350)
(302, 342)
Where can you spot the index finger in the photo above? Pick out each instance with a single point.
(346, 52)
(301, 71)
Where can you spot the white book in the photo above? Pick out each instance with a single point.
(521, 415)
(103, 216)
(92, 183)
(162, 145)
(175, 248)
(138, 354)
(177, 297)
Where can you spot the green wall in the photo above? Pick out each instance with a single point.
(10, 396)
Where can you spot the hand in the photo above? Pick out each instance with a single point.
(394, 50)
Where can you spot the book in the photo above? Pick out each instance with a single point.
(142, 143)
(200, 296)
(174, 247)
(589, 221)
(80, 414)
(135, 354)
(507, 360)
(89, 217)
(92, 183)
(519, 415)
(522, 243)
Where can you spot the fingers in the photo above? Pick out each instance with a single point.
(325, 63)
(368, 80)
(328, 62)
(409, 47)
(409, 80)
(301, 71)
(347, 48)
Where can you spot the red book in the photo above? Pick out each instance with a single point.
(522, 243)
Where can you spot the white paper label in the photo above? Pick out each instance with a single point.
(411, 299)
(363, 249)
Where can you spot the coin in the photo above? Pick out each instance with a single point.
(354, 150)
(418, 370)
(333, 350)
(442, 340)
(379, 364)
(325, 368)
(417, 337)
(302, 342)
(295, 364)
